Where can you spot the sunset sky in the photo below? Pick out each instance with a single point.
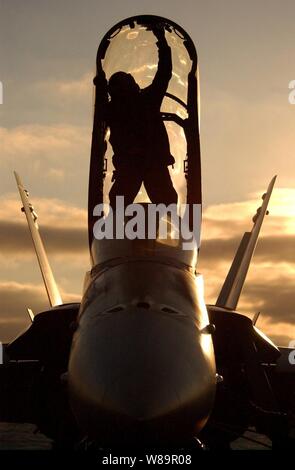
(246, 59)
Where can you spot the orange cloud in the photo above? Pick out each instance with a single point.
(29, 141)
(52, 212)
(15, 298)
(270, 286)
(81, 88)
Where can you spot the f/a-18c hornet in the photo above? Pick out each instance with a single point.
(142, 360)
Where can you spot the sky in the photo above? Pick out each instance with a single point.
(246, 60)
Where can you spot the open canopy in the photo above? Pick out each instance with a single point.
(131, 47)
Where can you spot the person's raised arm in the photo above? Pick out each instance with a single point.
(164, 72)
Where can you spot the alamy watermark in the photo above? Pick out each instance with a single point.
(292, 353)
(151, 221)
(1, 353)
(292, 92)
(1, 92)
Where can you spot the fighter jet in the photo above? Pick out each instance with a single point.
(142, 360)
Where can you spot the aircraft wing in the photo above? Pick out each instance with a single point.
(235, 279)
(48, 278)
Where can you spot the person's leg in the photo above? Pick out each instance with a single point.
(127, 183)
(159, 186)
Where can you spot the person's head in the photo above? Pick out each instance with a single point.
(121, 85)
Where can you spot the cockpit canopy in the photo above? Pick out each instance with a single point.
(131, 51)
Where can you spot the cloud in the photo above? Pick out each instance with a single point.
(15, 238)
(274, 297)
(56, 174)
(245, 151)
(63, 227)
(51, 211)
(73, 89)
(270, 249)
(228, 219)
(15, 298)
(52, 160)
(270, 286)
(28, 141)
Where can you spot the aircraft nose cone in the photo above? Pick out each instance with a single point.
(148, 396)
(139, 371)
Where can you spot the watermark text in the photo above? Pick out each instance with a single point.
(149, 221)
(292, 353)
(292, 92)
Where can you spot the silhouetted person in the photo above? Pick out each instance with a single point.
(138, 135)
